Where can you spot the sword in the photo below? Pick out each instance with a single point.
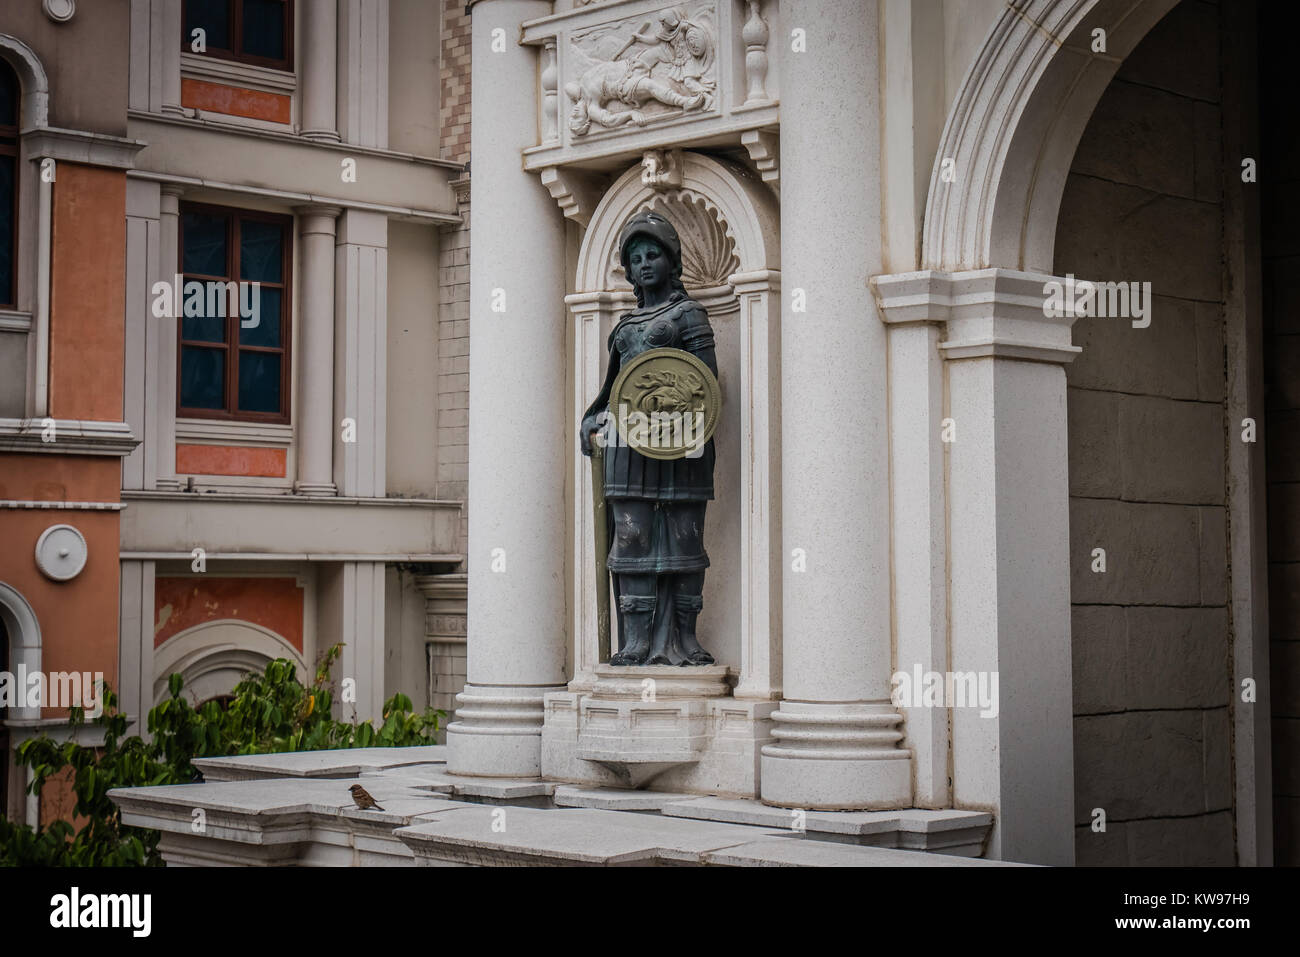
(600, 522)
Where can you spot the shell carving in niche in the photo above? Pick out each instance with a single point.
(708, 250)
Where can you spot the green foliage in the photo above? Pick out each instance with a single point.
(270, 713)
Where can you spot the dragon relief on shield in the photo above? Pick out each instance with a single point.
(634, 73)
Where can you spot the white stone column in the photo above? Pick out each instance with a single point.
(165, 42)
(361, 354)
(314, 411)
(918, 518)
(1009, 534)
(836, 735)
(519, 432)
(164, 433)
(362, 82)
(320, 55)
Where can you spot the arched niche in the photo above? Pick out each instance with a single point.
(33, 80)
(24, 636)
(1016, 123)
(728, 221)
(214, 656)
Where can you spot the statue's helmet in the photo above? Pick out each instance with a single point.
(651, 225)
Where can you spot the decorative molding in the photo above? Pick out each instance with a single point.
(247, 75)
(70, 436)
(550, 93)
(576, 193)
(78, 146)
(661, 169)
(635, 70)
(61, 552)
(33, 80)
(764, 148)
(60, 11)
(41, 505)
(13, 321)
(212, 432)
(988, 312)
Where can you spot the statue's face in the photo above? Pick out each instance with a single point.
(648, 263)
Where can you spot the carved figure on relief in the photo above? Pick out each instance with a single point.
(630, 73)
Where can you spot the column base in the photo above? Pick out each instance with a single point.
(315, 489)
(497, 731)
(836, 757)
(321, 136)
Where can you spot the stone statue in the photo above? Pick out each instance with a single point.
(656, 506)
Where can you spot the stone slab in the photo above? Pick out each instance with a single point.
(584, 836)
(790, 851)
(754, 813)
(616, 799)
(339, 763)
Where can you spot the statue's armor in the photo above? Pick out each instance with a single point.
(682, 324)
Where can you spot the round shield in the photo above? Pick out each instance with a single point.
(666, 403)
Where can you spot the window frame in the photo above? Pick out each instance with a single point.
(231, 411)
(13, 149)
(235, 13)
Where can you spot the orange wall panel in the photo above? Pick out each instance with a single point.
(234, 101)
(87, 293)
(78, 618)
(230, 460)
(183, 602)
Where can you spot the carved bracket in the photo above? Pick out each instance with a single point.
(576, 192)
(764, 147)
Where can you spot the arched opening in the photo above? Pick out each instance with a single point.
(215, 656)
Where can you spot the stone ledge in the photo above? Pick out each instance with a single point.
(339, 763)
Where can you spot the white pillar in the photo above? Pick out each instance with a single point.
(361, 354)
(918, 518)
(519, 431)
(836, 735)
(320, 71)
(314, 411)
(362, 82)
(165, 41)
(170, 265)
(1009, 534)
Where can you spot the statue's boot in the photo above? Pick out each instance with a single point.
(638, 617)
(686, 609)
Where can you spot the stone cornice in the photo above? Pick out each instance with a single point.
(70, 437)
(79, 146)
(987, 312)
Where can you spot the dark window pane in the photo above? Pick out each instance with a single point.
(8, 95)
(264, 28)
(267, 330)
(205, 244)
(213, 16)
(210, 324)
(7, 251)
(260, 248)
(203, 378)
(259, 381)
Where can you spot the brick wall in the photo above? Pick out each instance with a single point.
(1147, 422)
(453, 362)
(454, 119)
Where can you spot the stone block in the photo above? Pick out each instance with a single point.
(1202, 841)
(1286, 764)
(1283, 522)
(1108, 848)
(1141, 136)
(1286, 831)
(1139, 764)
(1284, 599)
(790, 851)
(1282, 373)
(1099, 658)
(1284, 453)
(1176, 658)
(1180, 54)
(1171, 451)
(1105, 234)
(1211, 361)
(1152, 554)
(1281, 275)
(1284, 672)
(1217, 734)
(1160, 359)
(1094, 443)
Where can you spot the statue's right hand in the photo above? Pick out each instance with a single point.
(589, 426)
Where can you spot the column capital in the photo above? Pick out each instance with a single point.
(318, 218)
(1000, 313)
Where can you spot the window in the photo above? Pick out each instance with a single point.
(9, 94)
(251, 31)
(234, 336)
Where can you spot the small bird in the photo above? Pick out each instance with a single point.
(363, 799)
